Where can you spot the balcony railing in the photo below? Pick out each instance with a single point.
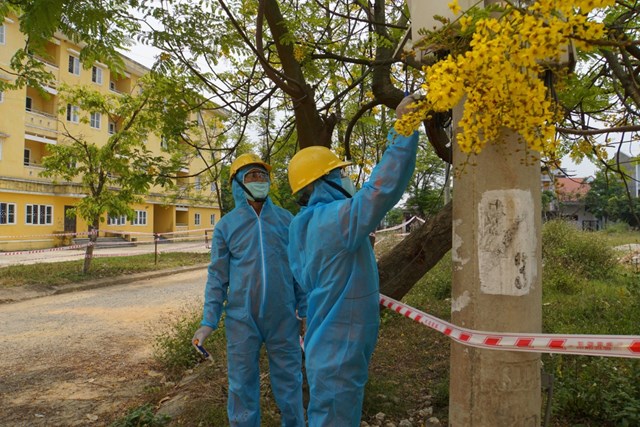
(49, 66)
(45, 123)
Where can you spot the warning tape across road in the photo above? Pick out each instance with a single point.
(586, 345)
(39, 251)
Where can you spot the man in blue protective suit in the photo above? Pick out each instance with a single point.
(250, 273)
(332, 258)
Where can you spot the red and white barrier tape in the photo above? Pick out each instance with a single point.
(82, 233)
(38, 251)
(586, 345)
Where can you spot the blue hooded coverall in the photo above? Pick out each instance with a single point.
(249, 271)
(332, 258)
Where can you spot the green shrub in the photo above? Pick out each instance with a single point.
(616, 228)
(143, 416)
(587, 255)
(596, 391)
(172, 342)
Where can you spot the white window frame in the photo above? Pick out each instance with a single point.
(10, 213)
(3, 34)
(38, 214)
(96, 75)
(75, 67)
(117, 220)
(214, 186)
(140, 218)
(196, 219)
(198, 183)
(164, 143)
(1, 97)
(212, 219)
(95, 120)
(73, 115)
(112, 128)
(1, 144)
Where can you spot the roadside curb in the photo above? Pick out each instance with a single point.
(22, 293)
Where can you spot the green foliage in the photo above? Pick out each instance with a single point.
(425, 191)
(597, 391)
(608, 198)
(394, 217)
(172, 342)
(571, 256)
(617, 228)
(144, 416)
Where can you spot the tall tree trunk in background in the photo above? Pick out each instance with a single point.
(312, 127)
(93, 237)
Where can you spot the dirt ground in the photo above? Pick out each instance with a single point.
(85, 358)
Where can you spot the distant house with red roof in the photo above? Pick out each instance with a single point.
(569, 203)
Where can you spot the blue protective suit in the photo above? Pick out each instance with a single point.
(249, 271)
(333, 260)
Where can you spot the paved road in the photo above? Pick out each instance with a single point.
(77, 358)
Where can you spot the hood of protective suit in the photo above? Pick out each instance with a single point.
(325, 193)
(239, 195)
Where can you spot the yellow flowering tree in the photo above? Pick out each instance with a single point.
(498, 72)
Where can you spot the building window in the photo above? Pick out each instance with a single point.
(95, 119)
(7, 213)
(214, 187)
(200, 118)
(27, 156)
(112, 85)
(116, 220)
(28, 103)
(198, 184)
(96, 75)
(3, 34)
(213, 219)
(197, 219)
(74, 65)
(1, 143)
(140, 218)
(72, 113)
(1, 97)
(164, 143)
(39, 215)
(112, 128)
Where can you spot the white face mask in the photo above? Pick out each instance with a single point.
(348, 186)
(260, 190)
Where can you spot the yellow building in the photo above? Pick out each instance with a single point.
(33, 208)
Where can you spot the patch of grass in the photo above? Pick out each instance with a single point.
(619, 234)
(143, 416)
(172, 341)
(61, 273)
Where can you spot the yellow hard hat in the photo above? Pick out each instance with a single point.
(244, 160)
(310, 164)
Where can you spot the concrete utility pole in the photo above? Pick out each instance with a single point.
(496, 283)
(497, 267)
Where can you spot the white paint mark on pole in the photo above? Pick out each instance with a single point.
(456, 244)
(461, 302)
(506, 242)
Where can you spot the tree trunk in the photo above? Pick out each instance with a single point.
(93, 237)
(401, 268)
